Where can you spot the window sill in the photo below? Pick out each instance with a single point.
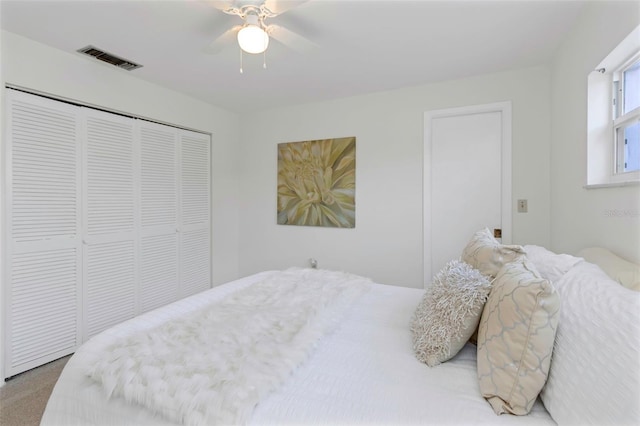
(612, 184)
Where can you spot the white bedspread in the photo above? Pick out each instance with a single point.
(364, 372)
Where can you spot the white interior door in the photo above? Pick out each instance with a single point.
(467, 158)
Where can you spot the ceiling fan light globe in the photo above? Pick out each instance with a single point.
(253, 39)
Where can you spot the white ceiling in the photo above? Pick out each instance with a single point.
(362, 45)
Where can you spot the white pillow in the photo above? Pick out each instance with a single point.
(619, 269)
(449, 312)
(595, 369)
(551, 266)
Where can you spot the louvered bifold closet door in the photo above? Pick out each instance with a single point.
(158, 215)
(43, 271)
(109, 228)
(195, 246)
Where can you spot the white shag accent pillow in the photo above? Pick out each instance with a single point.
(449, 312)
(488, 255)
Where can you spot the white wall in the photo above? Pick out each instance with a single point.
(608, 217)
(38, 67)
(386, 243)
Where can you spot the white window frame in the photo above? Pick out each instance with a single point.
(603, 152)
(621, 119)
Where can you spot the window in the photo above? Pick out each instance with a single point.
(626, 117)
(613, 121)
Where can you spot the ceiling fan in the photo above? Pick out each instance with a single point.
(254, 33)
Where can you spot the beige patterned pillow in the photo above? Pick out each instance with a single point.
(449, 312)
(515, 338)
(486, 254)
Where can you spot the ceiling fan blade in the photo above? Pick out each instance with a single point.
(225, 40)
(290, 39)
(222, 4)
(281, 6)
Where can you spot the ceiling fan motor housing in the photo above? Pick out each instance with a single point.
(252, 37)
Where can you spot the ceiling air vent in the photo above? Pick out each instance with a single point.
(109, 58)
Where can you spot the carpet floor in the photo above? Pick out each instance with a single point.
(24, 397)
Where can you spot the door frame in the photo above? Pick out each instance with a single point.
(506, 210)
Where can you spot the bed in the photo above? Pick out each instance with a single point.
(363, 369)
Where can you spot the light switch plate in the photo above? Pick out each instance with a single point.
(522, 206)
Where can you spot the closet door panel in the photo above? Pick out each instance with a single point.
(110, 285)
(43, 222)
(44, 306)
(195, 261)
(158, 190)
(195, 176)
(110, 221)
(109, 175)
(159, 275)
(195, 235)
(159, 271)
(44, 171)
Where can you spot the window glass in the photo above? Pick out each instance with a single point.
(632, 88)
(631, 160)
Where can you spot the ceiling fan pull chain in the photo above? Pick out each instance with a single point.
(266, 43)
(241, 61)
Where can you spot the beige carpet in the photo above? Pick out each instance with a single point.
(24, 397)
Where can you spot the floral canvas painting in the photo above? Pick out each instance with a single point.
(317, 183)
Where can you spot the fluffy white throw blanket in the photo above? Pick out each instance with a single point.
(214, 365)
